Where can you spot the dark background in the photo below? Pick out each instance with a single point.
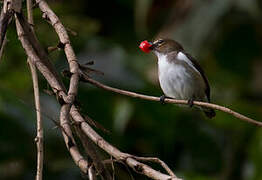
(225, 36)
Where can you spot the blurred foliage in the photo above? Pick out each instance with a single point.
(225, 36)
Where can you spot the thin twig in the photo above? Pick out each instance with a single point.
(172, 101)
(112, 161)
(2, 48)
(40, 135)
(91, 173)
(5, 16)
(156, 160)
(113, 168)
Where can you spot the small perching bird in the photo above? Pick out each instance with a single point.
(180, 76)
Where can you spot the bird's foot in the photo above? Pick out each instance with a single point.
(162, 99)
(190, 102)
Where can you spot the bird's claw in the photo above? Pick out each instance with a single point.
(190, 102)
(162, 99)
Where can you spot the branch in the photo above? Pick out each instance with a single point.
(5, 18)
(158, 161)
(91, 173)
(69, 52)
(93, 154)
(172, 101)
(40, 59)
(69, 139)
(46, 69)
(40, 135)
(2, 48)
(128, 159)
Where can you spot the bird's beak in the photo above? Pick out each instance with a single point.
(153, 45)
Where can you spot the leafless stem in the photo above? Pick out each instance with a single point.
(93, 154)
(91, 173)
(69, 139)
(40, 135)
(5, 18)
(2, 48)
(156, 160)
(173, 101)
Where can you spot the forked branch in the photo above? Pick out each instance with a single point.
(66, 99)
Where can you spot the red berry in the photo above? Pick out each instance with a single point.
(145, 46)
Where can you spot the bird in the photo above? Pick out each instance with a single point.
(180, 75)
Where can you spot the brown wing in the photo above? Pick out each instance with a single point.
(198, 67)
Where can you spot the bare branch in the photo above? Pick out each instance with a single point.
(5, 17)
(172, 101)
(91, 173)
(93, 154)
(64, 39)
(113, 151)
(37, 55)
(156, 160)
(57, 86)
(69, 139)
(40, 135)
(2, 48)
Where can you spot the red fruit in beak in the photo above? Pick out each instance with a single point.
(145, 46)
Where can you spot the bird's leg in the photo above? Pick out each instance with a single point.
(190, 102)
(162, 99)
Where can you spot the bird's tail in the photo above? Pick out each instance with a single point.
(210, 113)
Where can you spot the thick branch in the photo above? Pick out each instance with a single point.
(57, 88)
(173, 101)
(69, 139)
(33, 49)
(116, 153)
(69, 52)
(93, 154)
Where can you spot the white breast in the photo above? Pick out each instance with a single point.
(175, 80)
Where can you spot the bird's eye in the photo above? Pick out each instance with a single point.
(160, 41)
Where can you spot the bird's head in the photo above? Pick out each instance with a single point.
(161, 46)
